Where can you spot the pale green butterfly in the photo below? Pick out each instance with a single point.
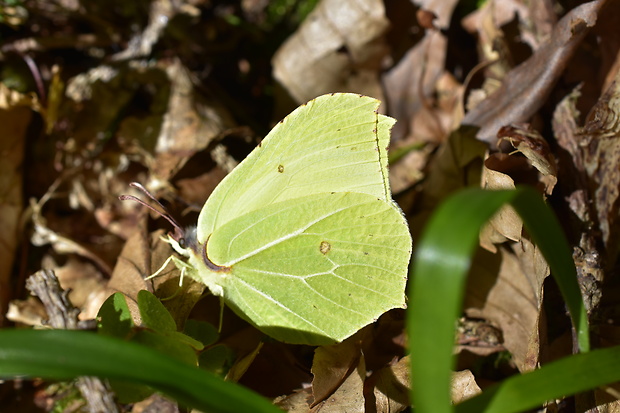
(302, 239)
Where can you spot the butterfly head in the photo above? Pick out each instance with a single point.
(182, 240)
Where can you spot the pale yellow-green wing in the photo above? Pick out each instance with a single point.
(334, 143)
(314, 269)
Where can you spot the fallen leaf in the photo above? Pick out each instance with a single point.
(339, 47)
(391, 387)
(339, 373)
(525, 88)
(15, 116)
(464, 386)
(506, 288)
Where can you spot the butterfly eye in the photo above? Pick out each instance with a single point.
(182, 243)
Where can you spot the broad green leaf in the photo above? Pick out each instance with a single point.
(167, 344)
(202, 331)
(63, 355)
(439, 269)
(114, 317)
(217, 359)
(153, 313)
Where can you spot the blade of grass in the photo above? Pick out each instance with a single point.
(62, 354)
(438, 272)
(570, 375)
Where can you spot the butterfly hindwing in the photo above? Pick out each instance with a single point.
(323, 265)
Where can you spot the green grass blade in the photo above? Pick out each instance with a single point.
(441, 263)
(570, 375)
(544, 229)
(62, 354)
(438, 273)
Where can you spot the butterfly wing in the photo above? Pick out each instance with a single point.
(315, 269)
(334, 143)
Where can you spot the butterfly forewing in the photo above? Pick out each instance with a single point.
(335, 143)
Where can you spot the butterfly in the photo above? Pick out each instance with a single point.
(303, 239)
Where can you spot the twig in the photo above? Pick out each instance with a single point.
(63, 315)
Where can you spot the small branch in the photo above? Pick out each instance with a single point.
(63, 315)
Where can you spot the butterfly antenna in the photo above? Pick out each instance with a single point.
(178, 231)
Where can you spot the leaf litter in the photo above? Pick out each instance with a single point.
(174, 94)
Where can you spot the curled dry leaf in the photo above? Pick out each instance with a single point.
(535, 19)
(525, 88)
(28, 312)
(502, 170)
(339, 47)
(44, 235)
(419, 92)
(496, 60)
(391, 387)
(506, 223)
(297, 402)
(536, 149)
(349, 396)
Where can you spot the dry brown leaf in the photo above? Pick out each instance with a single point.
(86, 286)
(506, 223)
(28, 312)
(502, 170)
(602, 156)
(349, 397)
(143, 256)
(190, 123)
(464, 386)
(608, 399)
(409, 170)
(496, 60)
(15, 116)
(297, 402)
(339, 47)
(457, 164)
(44, 235)
(506, 289)
(525, 88)
(391, 387)
(535, 148)
(592, 177)
(409, 87)
(339, 373)
(413, 85)
(155, 403)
